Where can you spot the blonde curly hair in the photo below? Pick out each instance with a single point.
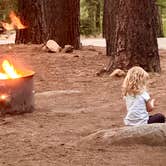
(135, 81)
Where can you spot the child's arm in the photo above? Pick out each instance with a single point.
(150, 105)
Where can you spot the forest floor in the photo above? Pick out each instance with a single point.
(82, 104)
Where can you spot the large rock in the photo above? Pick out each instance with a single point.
(52, 46)
(56, 100)
(149, 134)
(118, 73)
(67, 49)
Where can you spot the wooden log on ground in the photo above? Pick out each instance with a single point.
(149, 134)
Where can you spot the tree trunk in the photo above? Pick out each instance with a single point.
(98, 8)
(91, 9)
(109, 23)
(131, 34)
(105, 17)
(50, 19)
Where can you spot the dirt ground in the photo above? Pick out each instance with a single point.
(83, 103)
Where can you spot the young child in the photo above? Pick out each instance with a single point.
(138, 101)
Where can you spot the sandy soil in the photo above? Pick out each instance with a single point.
(49, 136)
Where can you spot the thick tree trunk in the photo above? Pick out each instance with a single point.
(109, 23)
(106, 17)
(33, 16)
(50, 19)
(131, 34)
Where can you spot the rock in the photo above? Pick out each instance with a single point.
(155, 74)
(48, 99)
(52, 46)
(91, 48)
(77, 56)
(67, 49)
(101, 72)
(55, 92)
(149, 134)
(44, 48)
(118, 73)
(7, 120)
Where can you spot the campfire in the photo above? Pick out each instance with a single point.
(16, 85)
(16, 89)
(8, 71)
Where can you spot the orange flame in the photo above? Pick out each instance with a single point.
(3, 97)
(15, 22)
(9, 71)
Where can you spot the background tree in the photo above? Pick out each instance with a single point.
(91, 17)
(162, 11)
(131, 35)
(90, 7)
(108, 24)
(159, 27)
(49, 19)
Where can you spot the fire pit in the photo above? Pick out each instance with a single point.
(16, 90)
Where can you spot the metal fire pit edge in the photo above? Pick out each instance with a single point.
(20, 95)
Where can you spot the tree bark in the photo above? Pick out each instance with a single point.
(131, 34)
(109, 23)
(98, 11)
(50, 19)
(105, 17)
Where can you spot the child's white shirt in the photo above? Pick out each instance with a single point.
(136, 109)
